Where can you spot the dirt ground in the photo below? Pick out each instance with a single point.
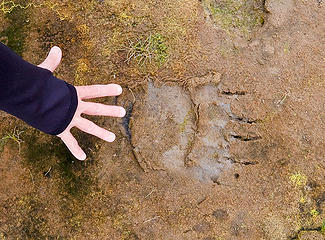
(224, 133)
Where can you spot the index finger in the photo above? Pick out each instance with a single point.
(94, 91)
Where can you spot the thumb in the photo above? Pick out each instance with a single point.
(52, 60)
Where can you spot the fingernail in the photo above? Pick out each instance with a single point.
(56, 49)
(122, 112)
(82, 157)
(110, 138)
(119, 89)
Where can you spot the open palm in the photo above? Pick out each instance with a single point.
(86, 92)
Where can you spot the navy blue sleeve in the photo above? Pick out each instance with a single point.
(34, 95)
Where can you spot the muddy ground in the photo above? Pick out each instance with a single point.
(224, 133)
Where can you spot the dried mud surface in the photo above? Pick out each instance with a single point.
(224, 133)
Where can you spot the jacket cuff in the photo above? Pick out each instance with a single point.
(72, 109)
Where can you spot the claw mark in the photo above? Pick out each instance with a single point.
(239, 93)
(244, 120)
(227, 109)
(242, 163)
(247, 138)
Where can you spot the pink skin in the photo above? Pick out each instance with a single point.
(86, 92)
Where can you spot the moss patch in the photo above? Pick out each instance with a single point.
(15, 34)
(232, 15)
(42, 152)
(32, 222)
(323, 228)
(152, 49)
(70, 181)
(298, 179)
(314, 213)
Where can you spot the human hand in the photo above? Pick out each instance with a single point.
(86, 92)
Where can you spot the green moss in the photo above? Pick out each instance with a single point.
(123, 227)
(234, 14)
(160, 48)
(188, 117)
(31, 220)
(314, 213)
(74, 180)
(42, 152)
(286, 48)
(298, 179)
(14, 136)
(28, 219)
(16, 32)
(151, 49)
(322, 229)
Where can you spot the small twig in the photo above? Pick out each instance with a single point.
(150, 193)
(132, 94)
(282, 100)
(201, 201)
(45, 174)
(31, 175)
(149, 220)
(15, 136)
